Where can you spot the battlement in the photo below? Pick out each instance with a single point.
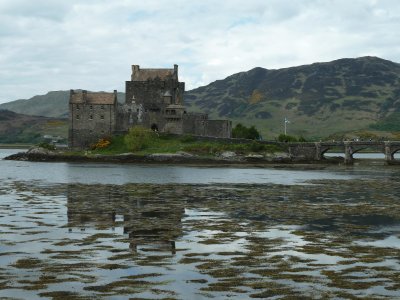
(139, 74)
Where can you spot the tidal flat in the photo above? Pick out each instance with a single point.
(327, 239)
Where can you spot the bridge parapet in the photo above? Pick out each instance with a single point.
(316, 150)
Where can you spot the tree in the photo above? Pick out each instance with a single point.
(139, 138)
(243, 132)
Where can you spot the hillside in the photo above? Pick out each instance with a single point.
(319, 99)
(53, 104)
(19, 128)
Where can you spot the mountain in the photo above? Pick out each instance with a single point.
(320, 99)
(53, 104)
(19, 128)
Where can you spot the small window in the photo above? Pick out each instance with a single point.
(78, 107)
(78, 117)
(102, 117)
(91, 106)
(91, 117)
(102, 106)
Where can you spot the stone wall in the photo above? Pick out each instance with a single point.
(89, 123)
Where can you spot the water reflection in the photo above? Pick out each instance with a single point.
(154, 222)
(331, 239)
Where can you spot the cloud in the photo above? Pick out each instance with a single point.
(52, 45)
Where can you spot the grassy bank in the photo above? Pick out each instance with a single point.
(173, 144)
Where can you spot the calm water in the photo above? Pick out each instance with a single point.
(112, 231)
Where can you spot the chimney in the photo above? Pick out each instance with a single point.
(115, 96)
(176, 70)
(135, 71)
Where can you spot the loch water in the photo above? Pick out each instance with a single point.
(120, 231)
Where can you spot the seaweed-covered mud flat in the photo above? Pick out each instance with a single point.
(335, 239)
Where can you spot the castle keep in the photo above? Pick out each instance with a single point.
(154, 99)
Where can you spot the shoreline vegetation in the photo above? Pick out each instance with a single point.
(144, 146)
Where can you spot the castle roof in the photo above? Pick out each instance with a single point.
(84, 97)
(139, 74)
(146, 74)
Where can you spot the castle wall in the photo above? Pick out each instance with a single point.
(194, 123)
(154, 100)
(218, 128)
(90, 122)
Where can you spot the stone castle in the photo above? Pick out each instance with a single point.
(154, 100)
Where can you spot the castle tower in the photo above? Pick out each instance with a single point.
(159, 95)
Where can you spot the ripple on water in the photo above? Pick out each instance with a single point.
(187, 241)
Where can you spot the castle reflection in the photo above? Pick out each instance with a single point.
(147, 218)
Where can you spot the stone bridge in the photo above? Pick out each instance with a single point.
(316, 151)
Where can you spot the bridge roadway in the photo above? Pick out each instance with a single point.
(316, 151)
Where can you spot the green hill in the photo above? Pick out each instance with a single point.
(319, 99)
(19, 128)
(53, 104)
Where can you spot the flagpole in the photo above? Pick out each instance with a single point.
(285, 121)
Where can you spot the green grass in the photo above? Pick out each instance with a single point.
(173, 144)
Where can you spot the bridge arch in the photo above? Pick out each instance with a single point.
(390, 150)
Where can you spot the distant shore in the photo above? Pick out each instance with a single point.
(15, 146)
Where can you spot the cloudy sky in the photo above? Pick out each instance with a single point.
(50, 45)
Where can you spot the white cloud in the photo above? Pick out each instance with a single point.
(52, 45)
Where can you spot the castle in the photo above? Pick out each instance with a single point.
(154, 100)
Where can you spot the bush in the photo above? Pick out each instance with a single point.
(287, 138)
(139, 138)
(101, 144)
(257, 147)
(47, 146)
(243, 132)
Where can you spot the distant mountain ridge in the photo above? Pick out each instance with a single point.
(19, 128)
(54, 104)
(319, 99)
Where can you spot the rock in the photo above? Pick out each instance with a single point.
(185, 154)
(40, 151)
(254, 156)
(165, 156)
(227, 154)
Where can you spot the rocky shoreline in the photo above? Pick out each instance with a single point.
(43, 155)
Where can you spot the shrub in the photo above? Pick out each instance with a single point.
(101, 144)
(243, 132)
(257, 147)
(139, 138)
(286, 138)
(47, 146)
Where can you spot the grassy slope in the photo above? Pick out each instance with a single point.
(318, 99)
(173, 144)
(18, 128)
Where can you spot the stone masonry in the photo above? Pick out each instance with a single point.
(154, 100)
